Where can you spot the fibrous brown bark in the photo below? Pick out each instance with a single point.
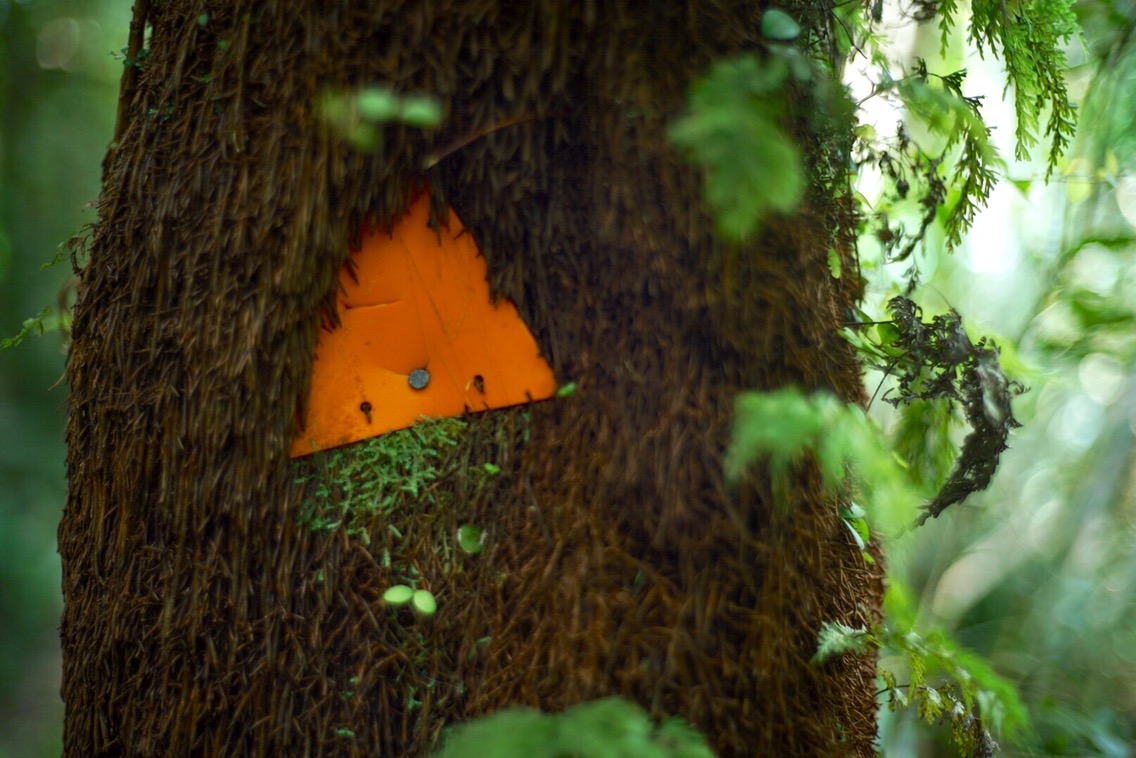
(200, 619)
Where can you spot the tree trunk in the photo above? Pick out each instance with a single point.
(202, 618)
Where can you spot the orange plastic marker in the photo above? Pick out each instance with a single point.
(418, 336)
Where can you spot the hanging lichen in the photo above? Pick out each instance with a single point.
(936, 360)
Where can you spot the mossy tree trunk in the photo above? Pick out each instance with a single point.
(201, 617)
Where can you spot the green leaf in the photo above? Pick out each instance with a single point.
(779, 424)
(732, 129)
(398, 595)
(859, 530)
(377, 104)
(512, 733)
(969, 682)
(783, 428)
(1033, 38)
(617, 728)
(888, 333)
(36, 326)
(424, 602)
(837, 639)
(835, 266)
(779, 25)
(423, 112)
(365, 137)
(566, 390)
(358, 114)
(470, 538)
(611, 727)
(947, 113)
(1023, 185)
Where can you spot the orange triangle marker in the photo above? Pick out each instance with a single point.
(418, 336)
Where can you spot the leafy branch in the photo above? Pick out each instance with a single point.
(1031, 36)
(732, 129)
(45, 321)
(947, 683)
(939, 103)
(850, 451)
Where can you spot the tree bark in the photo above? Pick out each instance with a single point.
(202, 618)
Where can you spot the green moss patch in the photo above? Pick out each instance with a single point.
(350, 486)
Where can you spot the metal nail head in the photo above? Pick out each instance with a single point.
(419, 378)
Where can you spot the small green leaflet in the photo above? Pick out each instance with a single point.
(398, 595)
(779, 25)
(837, 639)
(424, 602)
(470, 538)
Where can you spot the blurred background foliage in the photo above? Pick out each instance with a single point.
(1038, 574)
(58, 89)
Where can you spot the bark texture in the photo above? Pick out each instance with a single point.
(201, 619)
